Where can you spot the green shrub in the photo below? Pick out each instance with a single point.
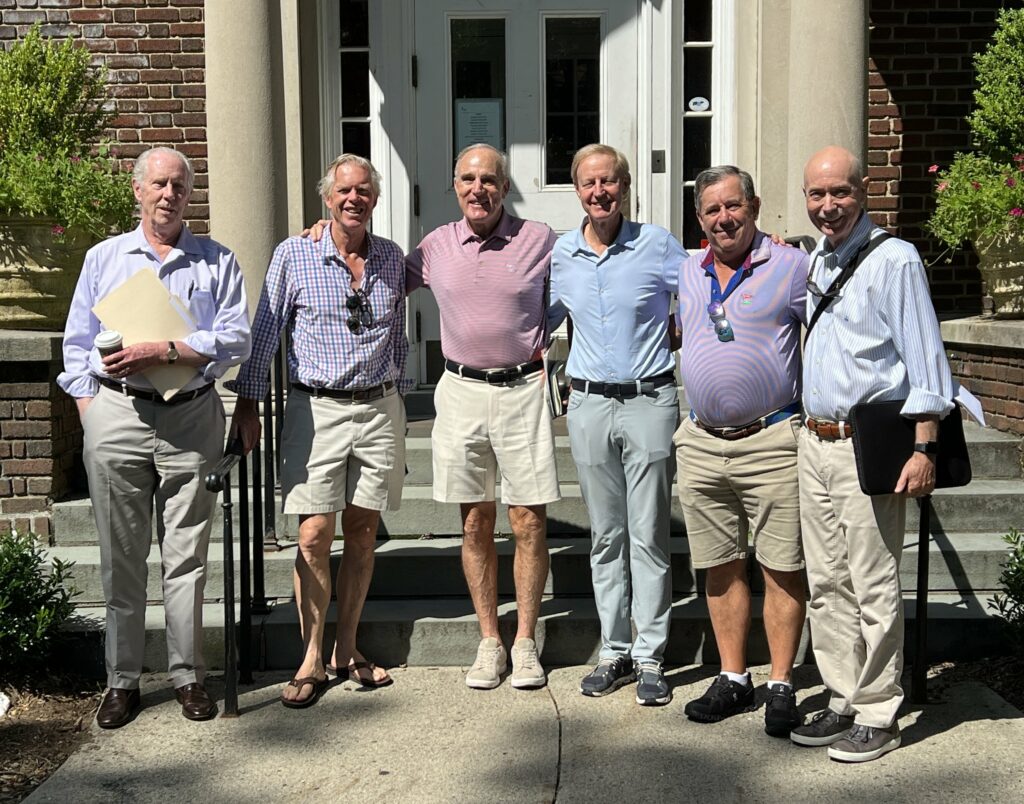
(1009, 604)
(35, 601)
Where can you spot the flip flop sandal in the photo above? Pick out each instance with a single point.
(368, 684)
(318, 685)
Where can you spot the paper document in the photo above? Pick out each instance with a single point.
(970, 403)
(142, 309)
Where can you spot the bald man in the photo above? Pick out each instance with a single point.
(877, 339)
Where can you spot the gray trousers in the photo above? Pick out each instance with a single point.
(623, 451)
(138, 454)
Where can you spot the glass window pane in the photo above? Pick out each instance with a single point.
(697, 76)
(692, 233)
(355, 28)
(696, 146)
(355, 139)
(478, 79)
(355, 84)
(572, 49)
(697, 21)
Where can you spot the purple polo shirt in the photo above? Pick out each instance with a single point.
(491, 293)
(736, 382)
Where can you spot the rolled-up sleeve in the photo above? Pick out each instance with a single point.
(227, 341)
(81, 328)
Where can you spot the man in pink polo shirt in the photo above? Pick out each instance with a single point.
(488, 272)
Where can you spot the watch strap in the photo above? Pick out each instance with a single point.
(927, 447)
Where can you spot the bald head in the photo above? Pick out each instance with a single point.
(835, 190)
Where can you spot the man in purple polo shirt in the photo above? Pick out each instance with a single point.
(741, 305)
(488, 272)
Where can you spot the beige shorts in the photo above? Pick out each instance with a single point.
(732, 490)
(481, 429)
(335, 452)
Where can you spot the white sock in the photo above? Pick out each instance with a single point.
(772, 682)
(739, 678)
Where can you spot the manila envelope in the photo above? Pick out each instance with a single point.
(142, 309)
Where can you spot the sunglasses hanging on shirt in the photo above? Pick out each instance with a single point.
(723, 329)
(360, 314)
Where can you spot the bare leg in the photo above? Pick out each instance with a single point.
(529, 524)
(784, 594)
(359, 526)
(313, 593)
(729, 605)
(480, 563)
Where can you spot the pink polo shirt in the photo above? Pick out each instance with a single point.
(491, 293)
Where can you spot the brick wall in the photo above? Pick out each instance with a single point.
(996, 377)
(920, 89)
(40, 445)
(154, 51)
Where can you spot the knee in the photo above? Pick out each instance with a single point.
(791, 583)
(315, 537)
(723, 577)
(529, 524)
(478, 522)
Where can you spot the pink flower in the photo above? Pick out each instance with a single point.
(57, 229)
(942, 186)
(1017, 212)
(933, 169)
(1011, 182)
(1018, 158)
(75, 160)
(975, 185)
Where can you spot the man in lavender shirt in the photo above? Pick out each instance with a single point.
(488, 272)
(741, 306)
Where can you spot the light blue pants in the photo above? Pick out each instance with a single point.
(623, 450)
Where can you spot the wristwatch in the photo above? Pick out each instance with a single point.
(927, 447)
(172, 354)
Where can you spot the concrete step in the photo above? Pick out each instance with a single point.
(983, 506)
(443, 632)
(964, 562)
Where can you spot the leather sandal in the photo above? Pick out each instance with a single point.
(319, 685)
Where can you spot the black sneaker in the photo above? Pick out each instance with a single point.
(651, 687)
(608, 676)
(824, 728)
(723, 699)
(780, 715)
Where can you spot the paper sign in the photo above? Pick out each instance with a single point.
(479, 120)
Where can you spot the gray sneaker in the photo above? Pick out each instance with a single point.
(824, 728)
(608, 676)
(527, 672)
(864, 743)
(651, 687)
(491, 662)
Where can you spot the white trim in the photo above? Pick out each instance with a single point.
(644, 116)
(723, 81)
(329, 83)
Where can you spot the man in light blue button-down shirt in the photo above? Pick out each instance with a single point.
(615, 278)
(140, 450)
(877, 340)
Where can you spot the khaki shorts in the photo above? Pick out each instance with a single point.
(481, 429)
(335, 452)
(732, 489)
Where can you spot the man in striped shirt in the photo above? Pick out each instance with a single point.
(488, 272)
(877, 340)
(342, 302)
(741, 307)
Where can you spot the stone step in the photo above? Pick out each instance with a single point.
(983, 506)
(443, 632)
(432, 568)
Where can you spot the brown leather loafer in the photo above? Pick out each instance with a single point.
(117, 708)
(196, 704)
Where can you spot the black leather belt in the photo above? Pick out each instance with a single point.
(152, 396)
(350, 395)
(498, 376)
(625, 390)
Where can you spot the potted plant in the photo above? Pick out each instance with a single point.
(980, 197)
(60, 189)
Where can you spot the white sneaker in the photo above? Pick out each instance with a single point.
(526, 670)
(491, 662)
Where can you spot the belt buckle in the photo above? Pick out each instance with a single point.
(501, 376)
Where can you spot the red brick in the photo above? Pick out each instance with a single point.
(187, 29)
(39, 485)
(81, 15)
(24, 390)
(126, 15)
(161, 76)
(38, 409)
(189, 91)
(41, 525)
(22, 505)
(159, 45)
(27, 466)
(160, 106)
(162, 135)
(158, 15)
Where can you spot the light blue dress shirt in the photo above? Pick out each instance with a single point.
(880, 339)
(619, 301)
(199, 271)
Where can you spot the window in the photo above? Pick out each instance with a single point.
(698, 108)
(572, 82)
(354, 80)
(478, 82)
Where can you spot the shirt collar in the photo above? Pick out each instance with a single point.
(329, 250)
(859, 235)
(760, 251)
(502, 229)
(629, 233)
(187, 243)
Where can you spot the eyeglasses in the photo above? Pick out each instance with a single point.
(723, 329)
(818, 293)
(360, 312)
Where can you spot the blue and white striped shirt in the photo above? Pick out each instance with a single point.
(880, 339)
(305, 290)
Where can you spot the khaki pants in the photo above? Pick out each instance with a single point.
(138, 454)
(852, 545)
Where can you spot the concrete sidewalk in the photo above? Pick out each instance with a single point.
(428, 738)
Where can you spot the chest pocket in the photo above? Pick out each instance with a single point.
(201, 306)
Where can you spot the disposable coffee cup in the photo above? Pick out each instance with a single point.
(108, 342)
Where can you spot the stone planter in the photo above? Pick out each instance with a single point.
(37, 274)
(1001, 262)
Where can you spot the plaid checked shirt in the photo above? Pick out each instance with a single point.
(305, 290)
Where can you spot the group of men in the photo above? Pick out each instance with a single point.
(752, 464)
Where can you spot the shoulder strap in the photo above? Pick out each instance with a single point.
(843, 278)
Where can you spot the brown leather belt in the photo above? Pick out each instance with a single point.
(829, 431)
(731, 434)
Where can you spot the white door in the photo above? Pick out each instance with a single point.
(536, 79)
